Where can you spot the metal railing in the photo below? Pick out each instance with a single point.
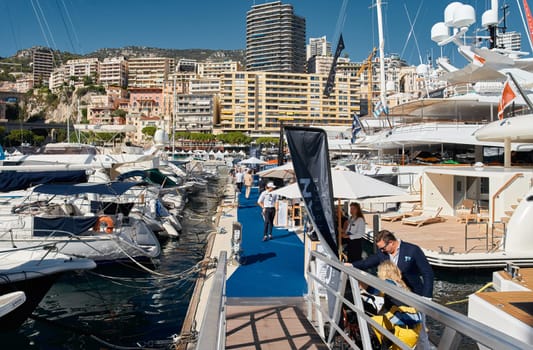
(455, 325)
(212, 333)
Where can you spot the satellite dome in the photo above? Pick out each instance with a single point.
(160, 137)
(448, 13)
(464, 16)
(489, 18)
(422, 69)
(439, 32)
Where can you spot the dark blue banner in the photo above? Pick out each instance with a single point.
(310, 159)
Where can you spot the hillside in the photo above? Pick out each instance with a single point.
(20, 62)
(194, 54)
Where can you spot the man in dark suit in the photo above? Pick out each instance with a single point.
(410, 259)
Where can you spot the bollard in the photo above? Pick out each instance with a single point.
(236, 239)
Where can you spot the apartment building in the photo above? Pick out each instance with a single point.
(113, 72)
(42, 64)
(212, 69)
(194, 113)
(275, 39)
(318, 47)
(74, 73)
(149, 72)
(140, 122)
(146, 101)
(257, 101)
(322, 64)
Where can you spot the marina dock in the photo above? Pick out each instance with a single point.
(264, 292)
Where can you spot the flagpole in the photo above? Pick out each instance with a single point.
(526, 98)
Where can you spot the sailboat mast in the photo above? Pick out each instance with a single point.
(381, 54)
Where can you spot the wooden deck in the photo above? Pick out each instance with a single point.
(448, 235)
(269, 323)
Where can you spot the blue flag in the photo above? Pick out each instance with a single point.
(356, 126)
(331, 77)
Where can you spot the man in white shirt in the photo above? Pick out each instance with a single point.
(268, 202)
(239, 178)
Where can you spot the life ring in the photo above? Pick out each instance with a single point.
(104, 224)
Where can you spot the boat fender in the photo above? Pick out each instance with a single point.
(104, 224)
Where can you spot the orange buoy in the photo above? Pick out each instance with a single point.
(104, 224)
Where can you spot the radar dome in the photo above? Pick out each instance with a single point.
(489, 18)
(439, 32)
(464, 16)
(448, 13)
(422, 69)
(160, 137)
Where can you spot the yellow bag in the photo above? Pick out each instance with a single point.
(407, 335)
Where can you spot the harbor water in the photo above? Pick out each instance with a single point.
(126, 306)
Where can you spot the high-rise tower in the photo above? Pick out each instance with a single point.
(275, 39)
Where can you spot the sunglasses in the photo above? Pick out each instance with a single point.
(385, 246)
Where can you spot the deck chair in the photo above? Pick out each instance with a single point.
(464, 212)
(428, 216)
(405, 210)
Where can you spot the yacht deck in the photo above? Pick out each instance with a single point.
(447, 236)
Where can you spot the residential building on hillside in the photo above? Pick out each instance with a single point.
(113, 72)
(213, 69)
(99, 110)
(275, 39)
(322, 64)
(318, 47)
(146, 101)
(149, 72)
(74, 73)
(186, 66)
(42, 64)
(257, 101)
(24, 83)
(194, 113)
(140, 122)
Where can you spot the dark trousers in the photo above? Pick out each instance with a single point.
(239, 186)
(269, 221)
(354, 249)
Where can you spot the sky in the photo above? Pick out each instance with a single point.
(83, 26)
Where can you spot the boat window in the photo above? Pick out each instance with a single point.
(529, 199)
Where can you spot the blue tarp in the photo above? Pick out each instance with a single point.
(21, 180)
(110, 188)
(61, 225)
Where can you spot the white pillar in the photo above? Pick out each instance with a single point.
(507, 152)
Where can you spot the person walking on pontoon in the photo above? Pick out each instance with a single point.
(268, 202)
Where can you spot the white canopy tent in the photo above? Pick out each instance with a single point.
(252, 161)
(349, 185)
(285, 171)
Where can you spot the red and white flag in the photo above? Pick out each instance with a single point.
(507, 97)
(529, 19)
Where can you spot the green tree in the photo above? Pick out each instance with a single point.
(17, 137)
(267, 141)
(149, 131)
(119, 113)
(234, 137)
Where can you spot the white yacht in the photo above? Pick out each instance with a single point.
(102, 231)
(32, 272)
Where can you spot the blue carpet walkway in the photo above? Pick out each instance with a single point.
(274, 268)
